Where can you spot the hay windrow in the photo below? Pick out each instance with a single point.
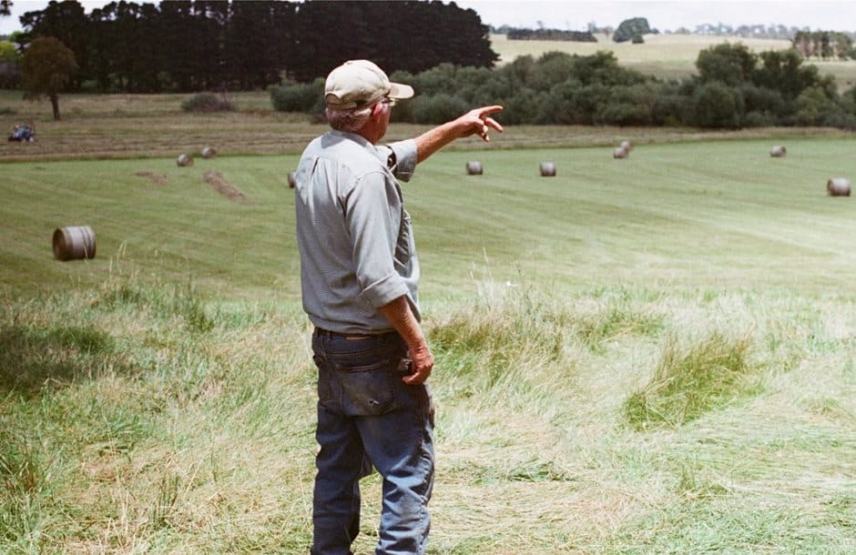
(219, 184)
(158, 179)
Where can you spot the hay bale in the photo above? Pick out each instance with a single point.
(778, 151)
(74, 243)
(184, 160)
(292, 180)
(626, 145)
(620, 153)
(208, 152)
(838, 187)
(548, 169)
(474, 168)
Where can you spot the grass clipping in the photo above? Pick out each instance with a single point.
(691, 381)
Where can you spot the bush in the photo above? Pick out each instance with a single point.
(439, 108)
(207, 102)
(763, 99)
(298, 97)
(633, 105)
(758, 119)
(814, 106)
(717, 105)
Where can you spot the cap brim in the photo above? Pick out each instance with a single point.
(399, 91)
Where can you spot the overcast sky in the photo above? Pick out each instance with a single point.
(839, 15)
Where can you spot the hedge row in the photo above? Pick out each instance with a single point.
(734, 88)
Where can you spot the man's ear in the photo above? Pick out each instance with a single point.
(377, 110)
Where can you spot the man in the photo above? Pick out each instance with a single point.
(359, 274)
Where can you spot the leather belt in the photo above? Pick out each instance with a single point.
(351, 336)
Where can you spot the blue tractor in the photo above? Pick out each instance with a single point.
(23, 133)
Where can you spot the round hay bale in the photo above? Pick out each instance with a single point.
(778, 151)
(838, 187)
(74, 243)
(208, 152)
(184, 160)
(626, 145)
(548, 169)
(292, 180)
(474, 168)
(620, 153)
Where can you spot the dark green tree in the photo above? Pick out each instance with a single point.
(731, 64)
(66, 21)
(717, 105)
(47, 68)
(629, 29)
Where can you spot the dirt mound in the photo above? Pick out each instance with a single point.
(156, 178)
(219, 184)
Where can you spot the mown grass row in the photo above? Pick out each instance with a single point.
(144, 417)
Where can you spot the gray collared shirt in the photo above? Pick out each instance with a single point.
(355, 238)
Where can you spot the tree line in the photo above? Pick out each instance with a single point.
(824, 44)
(191, 45)
(734, 88)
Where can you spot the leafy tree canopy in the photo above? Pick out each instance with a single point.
(47, 67)
(631, 28)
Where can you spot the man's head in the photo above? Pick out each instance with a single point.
(358, 95)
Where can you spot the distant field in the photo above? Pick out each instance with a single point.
(666, 56)
(680, 194)
(134, 126)
(651, 355)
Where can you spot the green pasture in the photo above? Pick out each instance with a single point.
(651, 355)
(712, 214)
(664, 56)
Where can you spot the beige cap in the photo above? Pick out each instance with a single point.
(360, 83)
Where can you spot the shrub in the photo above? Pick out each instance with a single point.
(814, 106)
(629, 105)
(298, 97)
(438, 108)
(207, 102)
(758, 119)
(763, 99)
(717, 105)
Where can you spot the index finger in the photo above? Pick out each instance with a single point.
(488, 110)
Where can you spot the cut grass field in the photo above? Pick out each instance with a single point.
(665, 56)
(649, 355)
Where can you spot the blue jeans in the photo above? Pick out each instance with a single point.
(368, 417)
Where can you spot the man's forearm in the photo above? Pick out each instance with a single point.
(401, 318)
(433, 140)
(475, 122)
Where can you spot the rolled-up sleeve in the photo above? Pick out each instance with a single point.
(405, 159)
(373, 222)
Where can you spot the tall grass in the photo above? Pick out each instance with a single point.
(693, 380)
(169, 437)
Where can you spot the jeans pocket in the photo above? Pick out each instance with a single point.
(369, 390)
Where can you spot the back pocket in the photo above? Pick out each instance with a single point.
(369, 390)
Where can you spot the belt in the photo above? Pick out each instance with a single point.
(351, 336)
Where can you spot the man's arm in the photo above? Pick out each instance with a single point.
(402, 319)
(475, 122)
